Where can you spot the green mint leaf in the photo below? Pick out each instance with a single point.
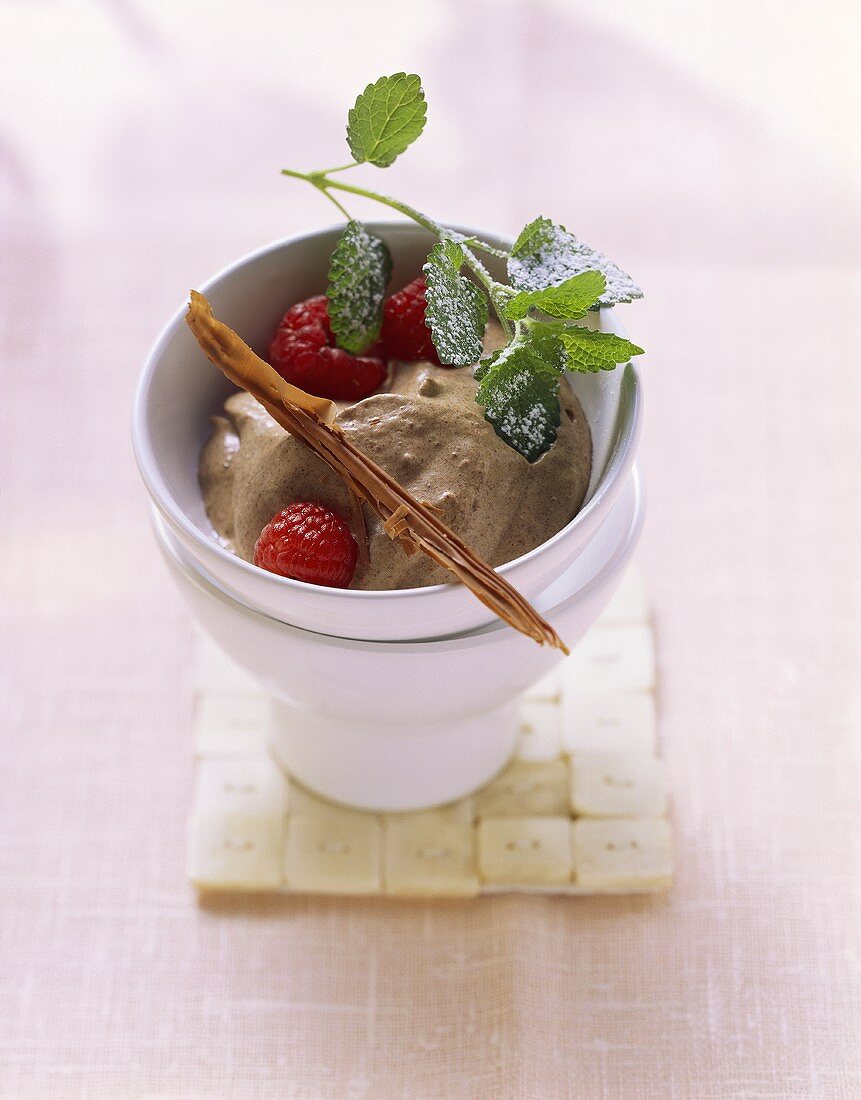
(545, 339)
(568, 300)
(589, 351)
(519, 389)
(388, 116)
(359, 272)
(546, 255)
(456, 309)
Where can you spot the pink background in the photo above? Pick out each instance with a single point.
(707, 147)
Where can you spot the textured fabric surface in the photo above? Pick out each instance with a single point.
(139, 148)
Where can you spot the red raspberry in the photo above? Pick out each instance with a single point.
(405, 331)
(308, 543)
(303, 352)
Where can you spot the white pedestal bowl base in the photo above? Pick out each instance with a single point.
(396, 767)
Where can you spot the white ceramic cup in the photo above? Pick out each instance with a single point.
(390, 726)
(180, 390)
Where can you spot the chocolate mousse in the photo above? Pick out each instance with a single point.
(428, 433)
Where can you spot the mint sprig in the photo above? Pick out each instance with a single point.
(569, 300)
(545, 255)
(553, 280)
(589, 351)
(387, 118)
(359, 272)
(456, 310)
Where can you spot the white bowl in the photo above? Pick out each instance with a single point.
(391, 726)
(180, 390)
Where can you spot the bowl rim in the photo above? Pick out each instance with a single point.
(149, 466)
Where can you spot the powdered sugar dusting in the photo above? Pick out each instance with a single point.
(520, 394)
(358, 274)
(546, 255)
(456, 309)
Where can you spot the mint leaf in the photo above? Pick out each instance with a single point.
(546, 255)
(568, 300)
(456, 309)
(359, 271)
(589, 351)
(388, 116)
(519, 389)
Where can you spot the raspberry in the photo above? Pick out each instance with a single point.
(303, 352)
(405, 332)
(308, 542)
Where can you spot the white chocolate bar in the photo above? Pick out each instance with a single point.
(621, 853)
(236, 851)
(240, 784)
(524, 850)
(611, 658)
(426, 857)
(607, 784)
(530, 788)
(609, 721)
(231, 725)
(334, 853)
(540, 730)
(629, 603)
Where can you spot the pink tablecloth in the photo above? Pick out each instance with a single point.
(139, 148)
